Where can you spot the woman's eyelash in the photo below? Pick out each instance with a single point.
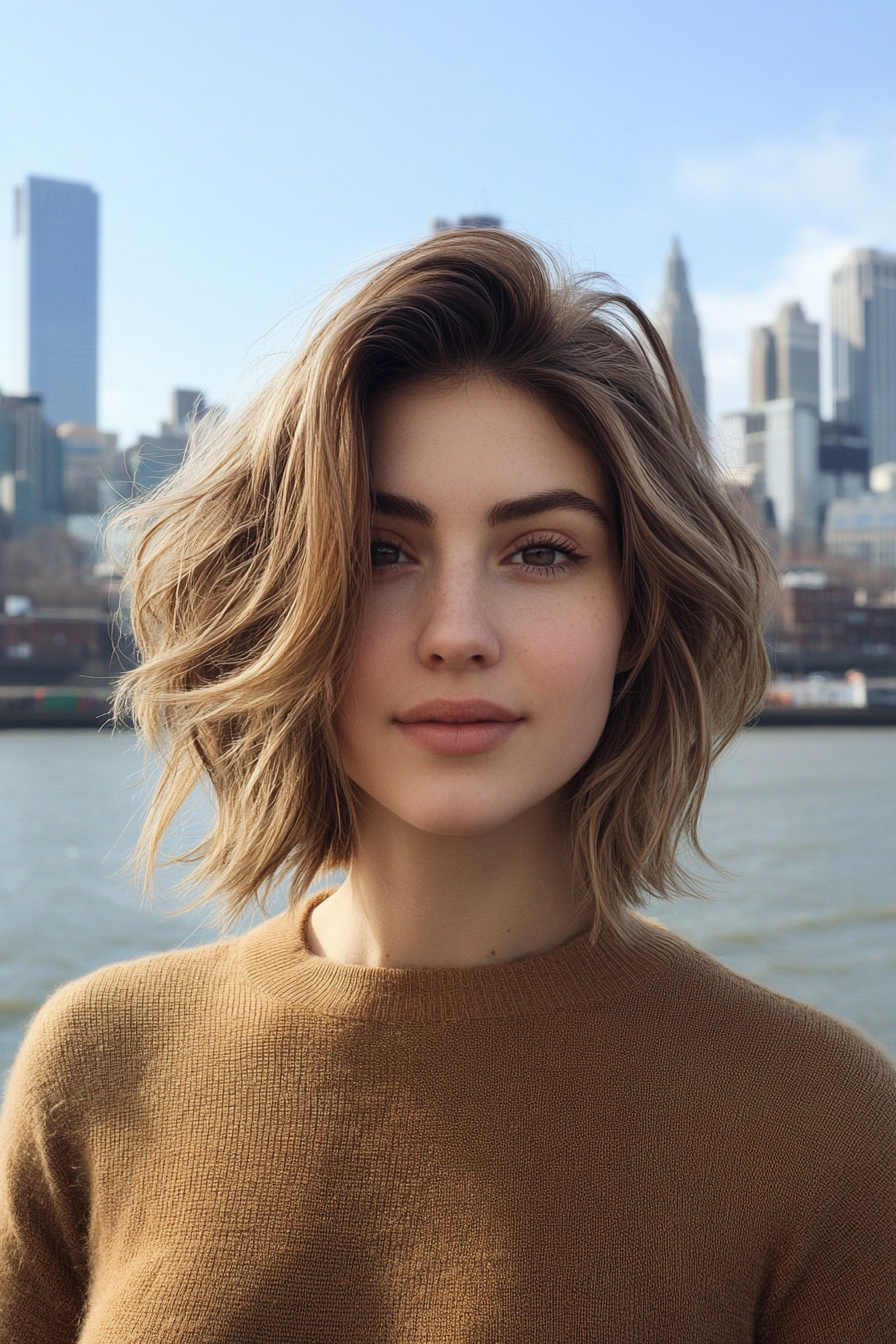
(550, 543)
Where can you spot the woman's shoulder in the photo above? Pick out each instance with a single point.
(121, 1016)
(762, 1046)
(144, 985)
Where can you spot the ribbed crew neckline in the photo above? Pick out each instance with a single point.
(276, 958)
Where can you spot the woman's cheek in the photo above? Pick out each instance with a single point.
(580, 650)
(377, 655)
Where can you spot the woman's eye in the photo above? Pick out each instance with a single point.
(385, 553)
(542, 557)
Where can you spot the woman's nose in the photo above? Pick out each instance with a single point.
(458, 632)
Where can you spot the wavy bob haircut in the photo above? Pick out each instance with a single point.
(249, 568)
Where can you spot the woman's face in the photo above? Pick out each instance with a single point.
(484, 667)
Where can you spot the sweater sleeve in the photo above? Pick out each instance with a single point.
(834, 1279)
(43, 1194)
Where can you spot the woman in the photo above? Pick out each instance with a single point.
(456, 605)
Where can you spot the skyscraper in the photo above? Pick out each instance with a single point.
(677, 322)
(442, 225)
(863, 329)
(777, 445)
(31, 485)
(784, 359)
(797, 343)
(792, 479)
(800, 461)
(763, 366)
(57, 228)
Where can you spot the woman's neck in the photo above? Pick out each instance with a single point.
(416, 899)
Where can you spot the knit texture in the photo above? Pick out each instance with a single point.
(624, 1143)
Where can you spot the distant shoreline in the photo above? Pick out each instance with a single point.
(91, 707)
(826, 716)
(56, 706)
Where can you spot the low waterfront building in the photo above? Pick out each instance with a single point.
(50, 644)
(817, 615)
(849, 692)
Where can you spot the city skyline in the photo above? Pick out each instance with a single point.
(791, 342)
(269, 159)
(797, 463)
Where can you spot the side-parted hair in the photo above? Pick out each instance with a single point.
(249, 570)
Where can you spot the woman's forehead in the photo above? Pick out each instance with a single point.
(479, 437)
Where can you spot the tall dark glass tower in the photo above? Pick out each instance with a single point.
(57, 228)
(678, 324)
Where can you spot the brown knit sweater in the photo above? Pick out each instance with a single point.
(623, 1144)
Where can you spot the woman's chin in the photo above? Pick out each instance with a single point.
(465, 811)
(471, 817)
(458, 827)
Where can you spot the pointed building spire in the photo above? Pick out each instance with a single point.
(677, 322)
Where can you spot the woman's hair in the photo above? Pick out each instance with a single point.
(249, 570)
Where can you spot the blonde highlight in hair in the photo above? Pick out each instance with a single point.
(249, 571)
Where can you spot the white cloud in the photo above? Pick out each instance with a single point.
(831, 174)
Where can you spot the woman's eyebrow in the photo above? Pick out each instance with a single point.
(513, 510)
(508, 511)
(399, 506)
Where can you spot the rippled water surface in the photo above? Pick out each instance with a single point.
(804, 820)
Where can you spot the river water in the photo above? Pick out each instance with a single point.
(804, 821)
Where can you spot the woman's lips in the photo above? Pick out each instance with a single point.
(458, 727)
(458, 739)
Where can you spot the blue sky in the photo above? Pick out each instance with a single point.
(249, 156)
